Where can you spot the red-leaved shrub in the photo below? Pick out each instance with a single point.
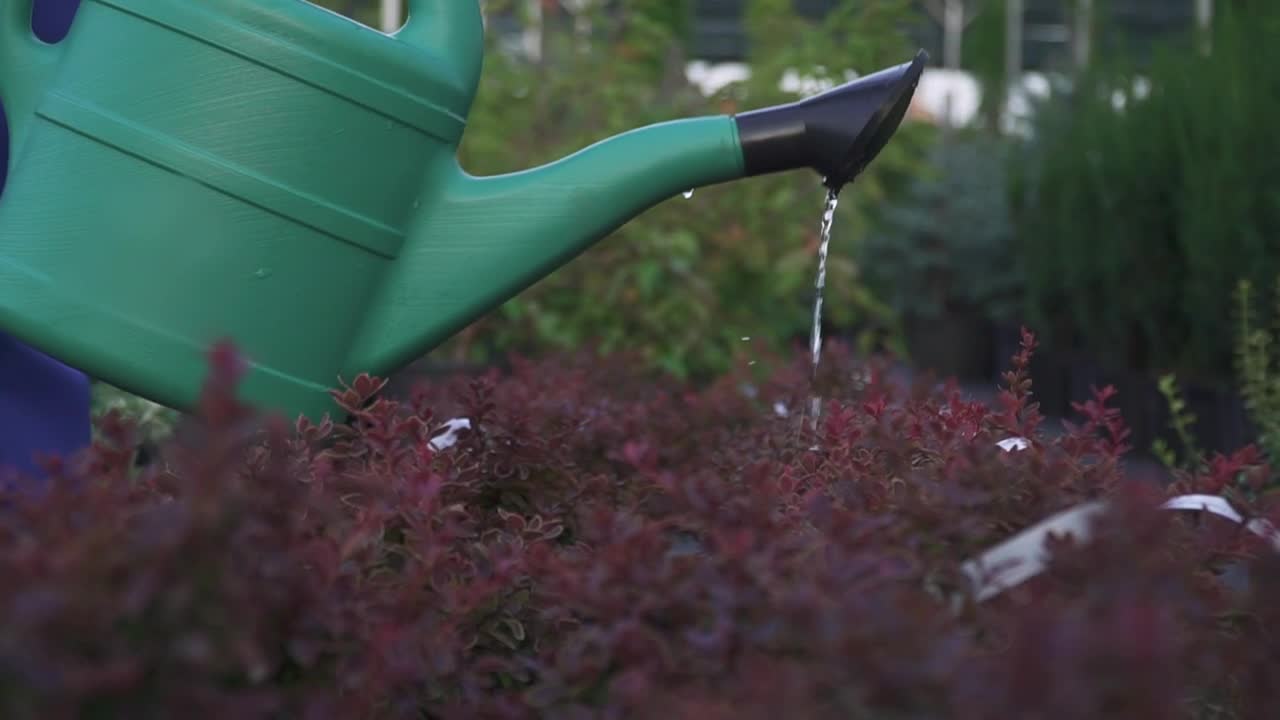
(602, 544)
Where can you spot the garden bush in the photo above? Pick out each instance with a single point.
(152, 422)
(605, 542)
(1257, 360)
(1257, 352)
(946, 243)
(1136, 224)
(942, 258)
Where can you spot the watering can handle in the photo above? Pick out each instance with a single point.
(25, 66)
(452, 28)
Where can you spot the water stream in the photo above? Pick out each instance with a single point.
(815, 335)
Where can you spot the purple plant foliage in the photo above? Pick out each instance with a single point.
(602, 544)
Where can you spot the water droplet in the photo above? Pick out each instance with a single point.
(751, 362)
(688, 194)
(261, 273)
(746, 338)
(417, 203)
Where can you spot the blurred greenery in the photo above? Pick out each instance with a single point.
(154, 422)
(983, 55)
(946, 242)
(1257, 352)
(1136, 224)
(365, 11)
(685, 281)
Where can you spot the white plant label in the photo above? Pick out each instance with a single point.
(1023, 556)
(447, 434)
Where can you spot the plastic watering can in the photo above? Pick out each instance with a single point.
(269, 172)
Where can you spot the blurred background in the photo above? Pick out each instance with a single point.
(1105, 172)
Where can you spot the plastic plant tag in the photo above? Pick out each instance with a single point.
(1220, 507)
(1023, 556)
(447, 435)
(1013, 443)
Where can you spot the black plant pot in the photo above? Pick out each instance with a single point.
(402, 382)
(1051, 382)
(951, 345)
(1006, 341)
(1222, 423)
(1141, 405)
(1084, 376)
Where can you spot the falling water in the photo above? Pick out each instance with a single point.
(815, 336)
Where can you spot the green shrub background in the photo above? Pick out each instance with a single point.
(1136, 225)
(945, 244)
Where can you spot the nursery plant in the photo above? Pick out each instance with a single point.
(943, 256)
(582, 537)
(153, 422)
(364, 11)
(1257, 364)
(1148, 191)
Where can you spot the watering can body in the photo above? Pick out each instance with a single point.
(269, 172)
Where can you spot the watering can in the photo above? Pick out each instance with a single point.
(270, 172)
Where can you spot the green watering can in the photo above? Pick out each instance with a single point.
(266, 171)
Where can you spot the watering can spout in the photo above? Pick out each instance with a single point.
(838, 133)
(482, 241)
(26, 64)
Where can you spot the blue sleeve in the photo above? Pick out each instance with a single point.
(44, 405)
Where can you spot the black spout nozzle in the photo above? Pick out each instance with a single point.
(838, 133)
